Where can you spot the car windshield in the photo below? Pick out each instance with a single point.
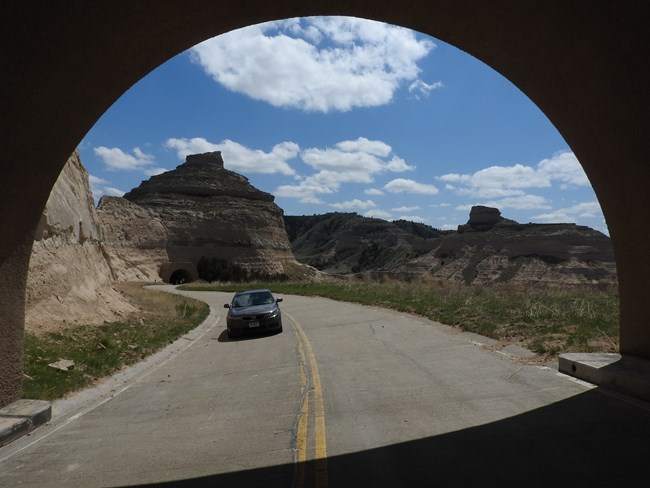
(249, 299)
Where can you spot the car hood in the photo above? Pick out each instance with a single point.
(253, 309)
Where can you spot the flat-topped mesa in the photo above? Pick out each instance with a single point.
(209, 211)
(481, 218)
(201, 175)
(208, 158)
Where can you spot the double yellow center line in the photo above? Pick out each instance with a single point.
(312, 398)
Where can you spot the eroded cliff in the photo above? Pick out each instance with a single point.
(209, 211)
(69, 280)
(487, 249)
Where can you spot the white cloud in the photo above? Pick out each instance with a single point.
(398, 165)
(316, 64)
(378, 214)
(511, 181)
(360, 163)
(497, 181)
(116, 159)
(347, 162)
(564, 167)
(585, 210)
(505, 187)
(241, 158)
(405, 209)
(377, 148)
(96, 180)
(401, 185)
(307, 189)
(412, 218)
(196, 145)
(373, 191)
(521, 202)
(155, 171)
(100, 186)
(420, 88)
(311, 200)
(114, 192)
(355, 204)
(440, 205)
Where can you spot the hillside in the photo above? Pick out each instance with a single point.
(343, 243)
(488, 249)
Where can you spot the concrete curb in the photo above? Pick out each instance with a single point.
(21, 417)
(626, 374)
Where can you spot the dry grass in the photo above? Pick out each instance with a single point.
(544, 319)
(99, 350)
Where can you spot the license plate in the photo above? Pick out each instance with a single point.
(253, 323)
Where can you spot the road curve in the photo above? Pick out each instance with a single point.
(347, 395)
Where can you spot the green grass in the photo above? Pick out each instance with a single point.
(546, 320)
(98, 351)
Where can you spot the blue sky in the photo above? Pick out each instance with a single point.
(341, 114)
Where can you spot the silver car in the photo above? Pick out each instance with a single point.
(253, 310)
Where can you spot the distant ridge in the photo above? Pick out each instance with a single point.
(487, 249)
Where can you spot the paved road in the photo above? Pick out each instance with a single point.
(346, 396)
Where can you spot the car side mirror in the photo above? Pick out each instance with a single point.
(226, 306)
(279, 300)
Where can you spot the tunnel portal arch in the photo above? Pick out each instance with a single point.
(179, 277)
(579, 62)
(178, 273)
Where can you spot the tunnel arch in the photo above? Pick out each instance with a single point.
(176, 273)
(179, 277)
(578, 62)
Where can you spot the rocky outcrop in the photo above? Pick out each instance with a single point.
(135, 240)
(209, 211)
(488, 249)
(481, 219)
(69, 280)
(348, 243)
(555, 254)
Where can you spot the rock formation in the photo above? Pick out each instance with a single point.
(488, 249)
(554, 254)
(210, 211)
(199, 209)
(343, 243)
(69, 279)
(481, 218)
(135, 239)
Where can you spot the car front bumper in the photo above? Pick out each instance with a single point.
(253, 323)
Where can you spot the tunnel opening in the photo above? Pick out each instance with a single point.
(176, 273)
(582, 136)
(614, 117)
(179, 277)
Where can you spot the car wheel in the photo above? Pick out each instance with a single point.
(231, 334)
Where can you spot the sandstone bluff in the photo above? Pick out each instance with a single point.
(165, 225)
(200, 209)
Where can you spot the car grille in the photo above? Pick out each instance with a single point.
(258, 316)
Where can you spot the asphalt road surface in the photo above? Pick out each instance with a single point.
(346, 396)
